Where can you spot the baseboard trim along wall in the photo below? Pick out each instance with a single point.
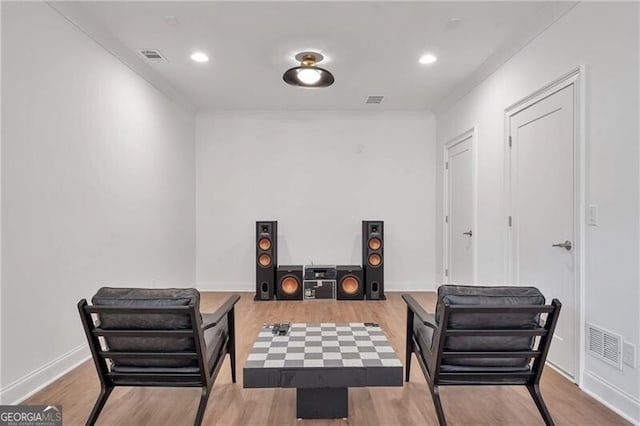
(243, 286)
(33, 382)
(617, 400)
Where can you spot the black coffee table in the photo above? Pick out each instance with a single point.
(322, 361)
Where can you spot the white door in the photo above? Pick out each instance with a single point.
(542, 208)
(459, 212)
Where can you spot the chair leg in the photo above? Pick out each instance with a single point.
(407, 362)
(204, 398)
(534, 390)
(231, 344)
(105, 391)
(435, 395)
(409, 345)
(232, 363)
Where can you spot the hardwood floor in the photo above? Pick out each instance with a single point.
(230, 404)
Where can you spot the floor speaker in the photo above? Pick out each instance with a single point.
(266, 259)
(289, 282)
(373, 258)
(350, 279)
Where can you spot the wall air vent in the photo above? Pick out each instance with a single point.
(374, 100)
(605, 346)
(152, 55)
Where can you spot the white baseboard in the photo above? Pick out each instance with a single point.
(617, 400)
(414, 286)
(31, 383)
(561, 372)
(251, 286)
(226, 286)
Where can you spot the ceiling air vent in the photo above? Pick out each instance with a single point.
(605, 345)
(374, 100)
(152, 55)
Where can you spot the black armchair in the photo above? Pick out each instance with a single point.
(157, 337)
(482, 336)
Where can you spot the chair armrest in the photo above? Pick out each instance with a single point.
(423, 316)
(223, 310)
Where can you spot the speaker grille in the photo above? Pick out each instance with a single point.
(264, 244)
(350, 285)
(289, 282)
(375, 260)
(375, 243)
(290, 285)
(264, 260)
(350, 282)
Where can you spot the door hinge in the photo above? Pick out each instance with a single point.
(446, 165)
(510, 141)
(510, 221)
(446, 219)
(446, 272)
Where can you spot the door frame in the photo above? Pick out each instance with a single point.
(577, 78)
(472, 134)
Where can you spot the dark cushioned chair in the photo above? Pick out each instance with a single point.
(482, 336)
(157, 337)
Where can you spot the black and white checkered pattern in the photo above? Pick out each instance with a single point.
(323, 345)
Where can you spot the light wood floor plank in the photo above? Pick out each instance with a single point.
(231, 405)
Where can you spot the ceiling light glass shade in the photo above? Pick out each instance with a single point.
(308, 74)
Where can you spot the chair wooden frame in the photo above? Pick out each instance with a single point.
(430, 362)
(204, 378)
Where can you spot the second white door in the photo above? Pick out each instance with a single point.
(459, 211)
(542, 203)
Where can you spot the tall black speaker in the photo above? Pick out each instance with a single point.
(289, 282)
(350, 281)
(373, 258)
(266, 259)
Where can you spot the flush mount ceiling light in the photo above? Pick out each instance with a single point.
(427, 59)
(199, 57)
(308, 74)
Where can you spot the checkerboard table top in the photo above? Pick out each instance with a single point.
(309, 345)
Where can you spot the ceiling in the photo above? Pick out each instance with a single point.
(372, 48)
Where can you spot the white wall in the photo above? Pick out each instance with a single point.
(604, 37)
(97, 188)
(319, 174)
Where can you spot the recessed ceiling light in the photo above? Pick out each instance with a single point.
(308, 74)
(199, 57)
(427, 59)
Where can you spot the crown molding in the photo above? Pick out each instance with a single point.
(77, 15)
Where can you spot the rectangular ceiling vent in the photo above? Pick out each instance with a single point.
(605, 346)
(152, 55)
(374, 100)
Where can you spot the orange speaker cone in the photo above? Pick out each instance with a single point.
(375, 259)
(375, 243)
(290, 285)
(264, 244)
(264, 260)
(350, 284)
